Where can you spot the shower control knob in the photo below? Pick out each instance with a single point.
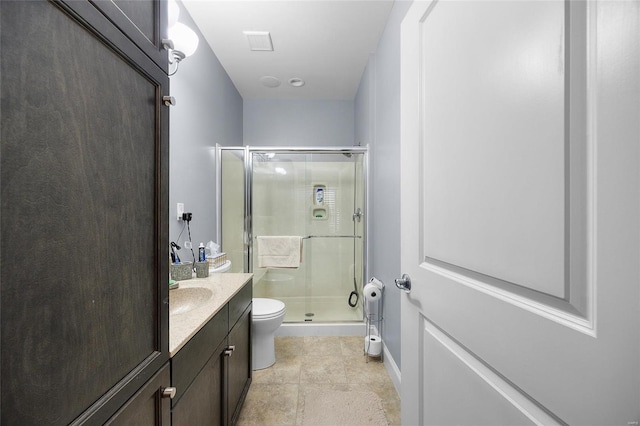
(404, 283)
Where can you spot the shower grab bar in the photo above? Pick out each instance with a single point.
(328, 236)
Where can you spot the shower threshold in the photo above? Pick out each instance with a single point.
(301, 329)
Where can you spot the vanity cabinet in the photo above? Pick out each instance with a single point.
(149, 406)
(202, 402)
(84, 211)
(212, 372)
(239, 361)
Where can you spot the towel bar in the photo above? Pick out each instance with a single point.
(329, 236)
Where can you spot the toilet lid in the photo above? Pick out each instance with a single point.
(266, 307)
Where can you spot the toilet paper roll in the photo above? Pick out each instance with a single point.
(372, 292)
(373, 345)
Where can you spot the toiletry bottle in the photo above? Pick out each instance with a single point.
(201, 254)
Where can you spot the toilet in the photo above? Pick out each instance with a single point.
(267, 315)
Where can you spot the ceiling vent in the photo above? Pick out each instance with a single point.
(259, 40)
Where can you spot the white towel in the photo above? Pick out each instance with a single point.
(279, 251)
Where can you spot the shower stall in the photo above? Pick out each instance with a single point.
(317, 194)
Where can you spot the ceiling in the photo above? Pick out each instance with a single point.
(325, 43)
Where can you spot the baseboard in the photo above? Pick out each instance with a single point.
(392, 368)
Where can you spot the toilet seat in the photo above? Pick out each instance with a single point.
(263, 309)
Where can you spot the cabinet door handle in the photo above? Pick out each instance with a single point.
(169, 392)
(229, 350)
(169, 100)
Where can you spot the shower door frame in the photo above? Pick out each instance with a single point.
(248, 152)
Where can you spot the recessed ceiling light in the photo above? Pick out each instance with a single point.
(296, 82)
(270, 81)
(259, 40)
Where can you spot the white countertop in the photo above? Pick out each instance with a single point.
(184, 326)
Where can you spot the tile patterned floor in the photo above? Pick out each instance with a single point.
(276, 396)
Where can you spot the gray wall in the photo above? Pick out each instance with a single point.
(377, 115)
(208, 111)
(298, 123)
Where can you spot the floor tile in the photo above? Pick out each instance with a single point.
(361, 369)
(304, 364)
(352, 345)
(285, 370)
(323, 369)
(270, 405)
(289, 346)
(322, 346)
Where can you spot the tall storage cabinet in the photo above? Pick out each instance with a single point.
(84, 212)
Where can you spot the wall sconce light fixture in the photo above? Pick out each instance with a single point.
(182, 41)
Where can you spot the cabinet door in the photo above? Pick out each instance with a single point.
(143, 22)
(84, 196)
(239, 365)
(201, 403)
(147, 407)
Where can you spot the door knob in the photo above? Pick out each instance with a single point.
(404, 283)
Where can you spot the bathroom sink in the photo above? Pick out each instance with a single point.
(183, 300)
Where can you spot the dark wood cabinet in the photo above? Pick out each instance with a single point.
(212, 372)
(201, 403)
(142, 21)
(239, 366)
(84, 208)
(149, 406)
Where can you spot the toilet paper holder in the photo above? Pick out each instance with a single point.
(372, 294)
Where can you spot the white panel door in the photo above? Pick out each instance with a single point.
(521, 212)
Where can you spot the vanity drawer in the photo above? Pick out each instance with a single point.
(187, 363)
(239, 303)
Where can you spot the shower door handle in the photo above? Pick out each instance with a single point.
(247, 231)
(404, 283)
(358, 215)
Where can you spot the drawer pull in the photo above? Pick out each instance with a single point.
(169, 392)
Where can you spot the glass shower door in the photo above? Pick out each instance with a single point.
(317, 196)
